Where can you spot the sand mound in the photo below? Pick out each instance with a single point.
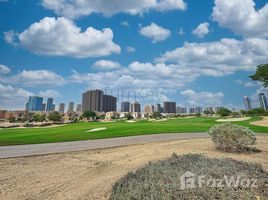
(237, 119)
(131, 121)
(96, 129)
(263, 122)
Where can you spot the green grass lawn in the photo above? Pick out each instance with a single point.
(73, 132)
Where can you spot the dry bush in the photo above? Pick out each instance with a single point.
(161, 180)
(233, 138)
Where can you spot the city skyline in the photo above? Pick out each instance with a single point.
(97, 100)
(205, 60)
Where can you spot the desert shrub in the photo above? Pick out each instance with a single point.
(232, 137)
(161, 180)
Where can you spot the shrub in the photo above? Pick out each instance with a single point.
(232, 138)
(161, 180)
(224, 112)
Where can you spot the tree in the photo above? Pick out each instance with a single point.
(256, 111)
(206, 112)
(128, 116)
(28, 117)
(55, 116)
(156, 115)
(89, 114)
(261, 74)
(38, 118)
(224, 112)
(243, 112)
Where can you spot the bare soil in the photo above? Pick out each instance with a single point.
(90, 174)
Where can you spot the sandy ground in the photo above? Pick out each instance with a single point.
(263, 122)
(90, 174)
(96, 129)
(237, 119)
(131, 121)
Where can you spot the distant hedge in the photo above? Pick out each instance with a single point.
(162, 180)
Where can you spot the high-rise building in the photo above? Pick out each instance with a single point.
(169, 107)
(198, 110)
(181, 110)
(62, 107)
(218, 108)
(148, 108)
(79, 108)
(192, 110)
(135, 107)
(158, 108)
(71, 107)
(35, 103)
(92, 100)
(125, 106)
(26, 106)
(44, 107)
(210, 109)
(263, 101)
(247, 103)
(49, 105)
(109, 103)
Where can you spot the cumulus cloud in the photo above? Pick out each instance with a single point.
(130, 49)
(106, 64)
(241, 17)
(138, 75)
(11, 98)
(61, 37)
(181, 32)
(125, 23)
(50, 93)
(203, 98)
(220, 57)
(155, 32)
(35, 78)
(77, 8)
(246, 84)
(4, 69)
(201, 30)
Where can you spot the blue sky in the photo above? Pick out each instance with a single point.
(197, 53)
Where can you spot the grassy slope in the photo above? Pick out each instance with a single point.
(73, 132)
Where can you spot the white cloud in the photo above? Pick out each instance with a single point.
(203, 98)
(4, 69)
(155, 32)
(130, 49)
(246, 84)
(220, 57)
(139, 75)
(201, 30)
(13, 98)
(61, 37)
(106, 64)
(181, 31)
(77, 8)
(50, 93)
(35, 78)
(241, 17)
(125, 23)
(11, 37)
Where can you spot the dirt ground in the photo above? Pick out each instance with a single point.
(263, 122)
(90, 174)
